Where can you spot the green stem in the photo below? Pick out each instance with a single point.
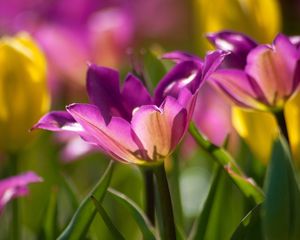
(175, 190)
(222, 157)
(169, 232)
(150, 196)
(280, 119)
(13, 160)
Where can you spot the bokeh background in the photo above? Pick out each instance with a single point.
(120, 34)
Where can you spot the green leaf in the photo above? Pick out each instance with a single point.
(84, 215)
(114, 231)
(250, 226)
(220, 212)
(135, 211)
(200, 225)
(70, 190)
(281, 209)
(180, 234)
(248, 186)
(154, 69)
(50, 230)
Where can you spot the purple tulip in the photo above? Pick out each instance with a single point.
(238, 44)
(128, 124)
(269, 78)
(210, 107)
(16, 186)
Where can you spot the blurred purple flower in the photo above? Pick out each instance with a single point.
(16, 186)
(129, 125)
(269, 77)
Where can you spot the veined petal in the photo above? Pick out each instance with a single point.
(177, 117)
(273, 68)
(115, 137)
(104, 90)
(160, 129)
(238, 87)
(16, 186)
(134, 94)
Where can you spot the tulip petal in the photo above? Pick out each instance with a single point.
(116, 137)
(296, 78)
(177, 117)
(237, 43)
(184, 74)
(16, 186)
(134, 94)
(180, 56)
(160, 129)
(273, 68)
(211, 62)
(104, 91)
(239, 87)
(58, 121)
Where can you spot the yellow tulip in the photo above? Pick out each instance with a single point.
(23, 90)
(260, 19)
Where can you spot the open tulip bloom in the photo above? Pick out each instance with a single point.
(257, 76)
(129, 125)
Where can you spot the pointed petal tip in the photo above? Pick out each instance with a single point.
(71, 106)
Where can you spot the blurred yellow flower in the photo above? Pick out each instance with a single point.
(259, 129)
(23, 89)
(292, 115)
(260, 19)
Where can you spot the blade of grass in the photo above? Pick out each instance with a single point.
(84, 215)
(136, 212)
(114, 231)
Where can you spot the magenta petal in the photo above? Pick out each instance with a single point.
(212, 61)
(16, 186)
(237, 86)
(295, 40)
(58, 121)
(296, 79)
(237, 43)
(115, 137)
(134, 94)
(185, 74)
(212, 115)
(104, 90)
(180, 56)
